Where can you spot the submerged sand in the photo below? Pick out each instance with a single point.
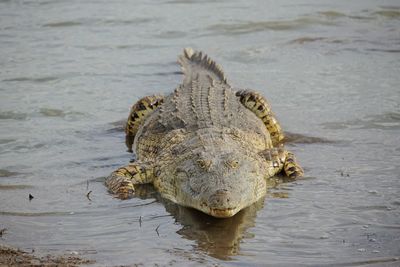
(10, 256)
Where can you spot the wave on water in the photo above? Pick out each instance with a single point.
(32, 79)
(98, 22)
(390, 120)
(12, 115)
(257, 26)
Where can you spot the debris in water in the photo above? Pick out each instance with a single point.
(140, 221)
(324, 237)
(3, 231)
(88, 195)
(342, 173)
(30, 197)
(157, 230)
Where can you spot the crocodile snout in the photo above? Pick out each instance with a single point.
(221, 199)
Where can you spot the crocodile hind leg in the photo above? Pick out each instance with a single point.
(139, 111)
(122, 181)
(280, 160)
(259, 106)
(291, 168)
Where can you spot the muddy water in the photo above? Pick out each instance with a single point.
(70, 69)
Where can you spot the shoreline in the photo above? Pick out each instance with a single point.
(11, 256)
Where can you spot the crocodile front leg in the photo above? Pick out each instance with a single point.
(122, 181)
(292, 168)
(280, 160)
(139, 111)
(259, 106)
(275, 158)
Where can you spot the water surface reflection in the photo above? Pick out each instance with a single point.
(219, 238)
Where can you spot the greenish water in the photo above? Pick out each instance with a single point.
(69, 70)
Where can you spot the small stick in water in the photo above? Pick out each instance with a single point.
(157, 230)
(88, 195)
(3, 231)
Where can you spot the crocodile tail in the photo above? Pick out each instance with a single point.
(195, 63)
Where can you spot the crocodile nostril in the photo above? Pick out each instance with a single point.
(221, 191)
(220, 199)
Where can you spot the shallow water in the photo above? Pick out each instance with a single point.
(71, 70)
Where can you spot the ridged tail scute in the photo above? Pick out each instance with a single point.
(194, 63)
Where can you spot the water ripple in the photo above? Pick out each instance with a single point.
(252, 27)
(12, 115)
(63, 24)
(6, 173)
(36, 214)
(389, 120)
(32, 79)
(372, 262)
(6, 140)
(99, 22)
(15, 187)
(391, 14)
(383, 50)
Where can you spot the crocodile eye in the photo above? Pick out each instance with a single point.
(232, 163)
(204, 164)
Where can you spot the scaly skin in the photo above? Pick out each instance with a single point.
(138, 114)
(206, 146)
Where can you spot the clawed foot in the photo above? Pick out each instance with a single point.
(122, 181)
(121, 186)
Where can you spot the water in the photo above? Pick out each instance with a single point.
(70, 70)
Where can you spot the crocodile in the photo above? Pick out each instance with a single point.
(206, 145)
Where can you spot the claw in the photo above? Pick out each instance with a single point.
(126, 190)
(120, 186)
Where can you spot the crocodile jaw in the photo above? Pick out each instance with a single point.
(223, 213)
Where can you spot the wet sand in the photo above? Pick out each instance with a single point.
(10, 256)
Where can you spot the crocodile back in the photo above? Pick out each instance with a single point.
(203, 103)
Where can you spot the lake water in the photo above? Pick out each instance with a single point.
(70, 70)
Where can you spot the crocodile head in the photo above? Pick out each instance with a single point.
(219, 182)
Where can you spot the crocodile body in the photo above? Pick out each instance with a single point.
(205, 145)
